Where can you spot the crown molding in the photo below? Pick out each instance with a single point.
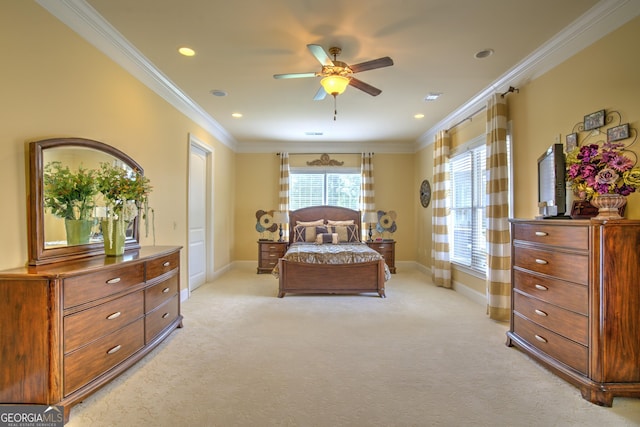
(89, 24)
(603, 18)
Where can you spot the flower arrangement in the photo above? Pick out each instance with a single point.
(124, 192)
(69, 195)
(594, 170)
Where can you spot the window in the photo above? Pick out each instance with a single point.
(467, 228)
(324, 187)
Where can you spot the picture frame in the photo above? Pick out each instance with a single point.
(571, 142)
(594, 120)
(617, 133)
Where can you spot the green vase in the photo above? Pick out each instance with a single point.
(78, 231)
(114, 241)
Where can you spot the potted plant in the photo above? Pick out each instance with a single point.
(603, 176)
(70, 196)
(125, 193)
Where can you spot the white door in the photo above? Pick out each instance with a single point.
(199, 203)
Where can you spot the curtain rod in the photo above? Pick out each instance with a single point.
(317, 154)
(470, 117)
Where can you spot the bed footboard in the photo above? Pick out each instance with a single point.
(299, 278)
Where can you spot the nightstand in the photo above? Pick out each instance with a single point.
(268, 254)
(388, 251)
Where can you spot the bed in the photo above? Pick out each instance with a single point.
(334, 266)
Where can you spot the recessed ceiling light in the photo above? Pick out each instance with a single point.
(236, 115)
(484, 53)
(186, 51)
(419, 116)
(218, 92)
(432, 96)
(314, 133)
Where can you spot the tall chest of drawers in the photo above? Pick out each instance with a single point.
(69, 328)
(576, 302)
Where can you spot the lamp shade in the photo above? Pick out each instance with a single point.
(280, 217)
(334, 85)
(370, 217)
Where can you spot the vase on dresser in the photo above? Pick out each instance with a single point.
(609, 205)
(114, 237)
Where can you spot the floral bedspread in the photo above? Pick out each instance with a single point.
(341, 253)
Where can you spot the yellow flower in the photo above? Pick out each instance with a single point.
(632, 177)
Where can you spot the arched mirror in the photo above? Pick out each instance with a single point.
(48, 241)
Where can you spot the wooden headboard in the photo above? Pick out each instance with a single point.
(313, 213)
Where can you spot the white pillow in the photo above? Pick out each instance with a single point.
(345, 222)
(311, 223)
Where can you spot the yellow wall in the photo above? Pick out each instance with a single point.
(602, 76)
(257, 178)
(55, 84)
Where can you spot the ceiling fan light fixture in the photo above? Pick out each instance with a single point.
(334, 85)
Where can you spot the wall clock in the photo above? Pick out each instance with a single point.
(425, 193)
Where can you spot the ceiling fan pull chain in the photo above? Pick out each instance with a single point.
(335, 107)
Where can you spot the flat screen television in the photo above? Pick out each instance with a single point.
(551, 182)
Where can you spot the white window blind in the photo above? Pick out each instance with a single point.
(315, 188)
(468, 223)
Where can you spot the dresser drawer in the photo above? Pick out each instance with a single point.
(160, 292)
(566, 351)
(272, 250)
(90, 287)
(567, 266)
(86, 363)
(564, 322)
(103, 319)
(159, 266)
(574, 237)
(160, 318)
(558, 292)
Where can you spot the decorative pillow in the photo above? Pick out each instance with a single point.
(345, 222)
(311, 223)
(303, 233)
(327, 238)
(346, 233)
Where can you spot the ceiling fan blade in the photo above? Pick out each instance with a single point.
(371, 65)
(293, 75)
(320, 94)
(320, 54)
(373, 91)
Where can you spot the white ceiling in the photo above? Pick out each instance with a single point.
(240, 44)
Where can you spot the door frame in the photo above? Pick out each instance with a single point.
(209, 204)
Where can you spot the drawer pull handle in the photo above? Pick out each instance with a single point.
(112, 281)
(541, 313)
(272, 255)
(165, 290)
(541, 261)
(166, 264)
(541, 233)
(272, 247)
(114, 315)
(164, 316)
(541, 287)
(114, 349)
(541, 339)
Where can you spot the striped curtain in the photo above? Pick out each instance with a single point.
(367, 193)
(283, 195)
(497, 212)
(440, 259)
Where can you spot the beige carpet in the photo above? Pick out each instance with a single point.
(424, 356)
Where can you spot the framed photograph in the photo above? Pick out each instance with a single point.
(618, 132)
(594, 120)
(571, 142)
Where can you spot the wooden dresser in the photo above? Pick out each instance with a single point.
(268, 254)
(388, 251)
(69, 328)
(576, 302)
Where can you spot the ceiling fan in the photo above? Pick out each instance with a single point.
(337, 75)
